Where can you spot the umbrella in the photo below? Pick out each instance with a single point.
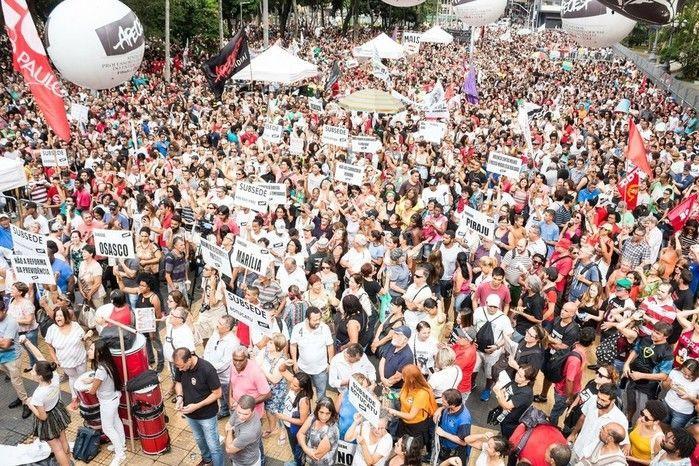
(538, 56)
(371, 100)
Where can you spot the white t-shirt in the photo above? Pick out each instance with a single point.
(673, 400)
(180, 337)
(499, 322)
(445, 379)
(423, 352)
(70, 349)
(383, 447)
(449, 260)
(312, 347)
(106, 390)
(47, 395)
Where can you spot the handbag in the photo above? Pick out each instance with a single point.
(87, 316)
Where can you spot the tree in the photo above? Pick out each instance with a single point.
(680, 41)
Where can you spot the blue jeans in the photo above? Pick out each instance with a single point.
(320, 382)
(559, 406)
(32, 336)
(223, 407)
(676, 419)
(205, 432)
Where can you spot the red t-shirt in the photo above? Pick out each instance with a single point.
(466, 360)
(121, 315)
(243, 334)
(572, 371)
(695, 456)
(542, 437)
(685, 349)
(563, 265)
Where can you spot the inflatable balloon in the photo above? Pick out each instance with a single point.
(479, 12)
(95, 44)
(594, 25)
(403, 3)
(649, 11)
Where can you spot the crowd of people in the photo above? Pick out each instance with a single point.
(382, 284)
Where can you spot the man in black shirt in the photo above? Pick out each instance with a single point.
(198, 389)
(683, 298)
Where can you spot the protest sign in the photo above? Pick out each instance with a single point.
(78, 112)
(431, 131)
(250, 196)
(249, 314)
(216, 256)
(315, 104)
(273, 133)
(33, 268)
(345, 453)
(504, 165)
(366, 403)
(276, 194)
(367, 144)
(411, 42)
(54, 158)
(27, 243)
(251, 256)
(336, 136)
(473, 220)
(351, 63)
(350, 174)
(145, 319)
(295, 145)
(114, 243)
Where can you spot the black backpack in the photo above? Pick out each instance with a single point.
(485, 336)
(553, 369)
(87, 444)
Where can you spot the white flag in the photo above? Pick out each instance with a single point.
(378, 69)
(133, 137)
(528, 111)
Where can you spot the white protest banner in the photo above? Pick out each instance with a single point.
(145, 319)
(78, 112)
(476, 221)
(276, 194)
(504, 165)
(336, 136)
(273, 133)
(33, 268)
(402, 98)
(250, 196)
(345, 453)
(27, 243)
(216, 256)
(411, 42)
(249, 314)
(251, 256)
(114, 243)
(295, 145)
(315, 104)
(367, 144)
(431, 131)
(54, 158)
(350, 174)
(366, 403)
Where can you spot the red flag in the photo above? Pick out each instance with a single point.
(29, 58)
(678, 216)
(628, 187)
(636, 150)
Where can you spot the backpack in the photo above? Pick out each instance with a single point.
(553, 368)
(485, 336)
(87, 444)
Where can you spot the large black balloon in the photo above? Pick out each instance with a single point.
(648, 11)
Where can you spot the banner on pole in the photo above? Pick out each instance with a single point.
(33, 268)
(54, 158)
(249, 314)
(504, 165)
(250, 196)
(216, 256)
(27, 243)
(366, 403)
(114, 243)
(350, 174)
(250, 256)
(336, 136)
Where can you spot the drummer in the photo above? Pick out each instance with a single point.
(106, 384)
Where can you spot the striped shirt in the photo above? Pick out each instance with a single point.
(653, 308)
(70, 349)
(515, 265)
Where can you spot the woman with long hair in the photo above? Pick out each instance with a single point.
(530, 351)
(270, 360)
(351, 326)
(407, 451)
(589, 306)
(106, 383)
(21, 308)
(384, 331)
(515, 398)
(682, 393)
(65, 339)
(462, 283)
(297, 408)
(494, 448)
(424, 347)
(417, 405)
(319, 435)
(50, 416)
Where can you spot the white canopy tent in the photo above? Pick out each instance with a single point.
(11, 174)
(383, 45)
(276, 65)
(436, 35)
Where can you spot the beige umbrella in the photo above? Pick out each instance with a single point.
(371, 100)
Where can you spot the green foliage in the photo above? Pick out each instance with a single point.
(641, 36)
(680, 41)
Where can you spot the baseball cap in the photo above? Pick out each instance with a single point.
(492, 300)
(4, 215)
(403, 330)
(564, 243)
(624, 283)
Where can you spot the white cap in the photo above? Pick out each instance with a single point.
(492, 300)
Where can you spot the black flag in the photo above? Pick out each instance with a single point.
(334, 76)
(232, 58)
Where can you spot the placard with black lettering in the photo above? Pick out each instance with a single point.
(114, 243)
(253, 316)
(251, 256)
(33, 268)
(504, 165)
(251, 196)
(350, 174)
(335, 136)
(216, 257)
(366, 403)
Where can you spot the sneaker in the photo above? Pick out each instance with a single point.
(118, 460)
(15, 404)
(110, 448)
(223, 415)
(203, 462)
(485, 394)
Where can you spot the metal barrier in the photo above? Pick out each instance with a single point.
(682, 91)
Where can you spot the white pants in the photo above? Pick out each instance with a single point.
(73, 373)
(112, 426)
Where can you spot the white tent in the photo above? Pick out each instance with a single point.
(383, 45)
(437, 35)
(276, 65)
(11, 174)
